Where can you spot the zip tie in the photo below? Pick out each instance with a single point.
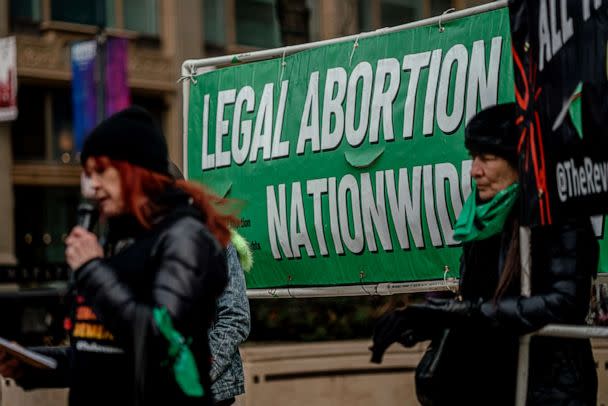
(283, 65)
(446, 270)
(361, 277)
(289, 278)
(449, 10)
(190, 75)
(352, 52)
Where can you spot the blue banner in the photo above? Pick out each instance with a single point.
(84, 94)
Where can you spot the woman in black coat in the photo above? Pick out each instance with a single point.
(478, 363)
(166, 241)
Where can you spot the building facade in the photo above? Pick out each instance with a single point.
(39, 172)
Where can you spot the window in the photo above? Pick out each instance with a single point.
(43, 129)
(257, 23)
(231, 24)
(214, 23)
(135, 15)
(397, 12)
(141, 16)
(439, 6)
(374, 14)
(365, 16)
(293, 18)
(43, 217)
(25, 11)
(314, 20)
(28, 130)
(90, 12)
(62, 148)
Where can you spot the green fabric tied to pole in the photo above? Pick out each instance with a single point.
(576, 110)
(481, 221)
(184, 365)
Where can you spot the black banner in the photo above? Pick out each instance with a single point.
(561, 89)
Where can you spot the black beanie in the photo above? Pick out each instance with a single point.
(130, 135)
(493, 131)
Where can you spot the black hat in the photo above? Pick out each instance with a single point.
(130, 135)
(493, 131)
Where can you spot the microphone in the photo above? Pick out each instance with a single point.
(87, 215)
(87, 211)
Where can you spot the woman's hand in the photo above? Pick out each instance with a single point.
(81, 247)
(402, 326)
(10, 367)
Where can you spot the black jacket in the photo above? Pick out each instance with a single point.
(482, 360)
(178, 265)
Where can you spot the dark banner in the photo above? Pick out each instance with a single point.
(561, 89)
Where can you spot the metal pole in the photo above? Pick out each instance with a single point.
(523, 366)
(379, 289)
(185, 104)
(552, 330)
(523, 359)
(567, 331)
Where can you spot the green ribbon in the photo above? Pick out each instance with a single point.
(481, 221)
(576, 110)
(184, 366)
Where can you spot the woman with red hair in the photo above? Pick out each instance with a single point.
(143, 307)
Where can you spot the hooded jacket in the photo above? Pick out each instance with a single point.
(230, 328)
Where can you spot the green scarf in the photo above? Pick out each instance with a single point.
(483, 220)
(184, 365)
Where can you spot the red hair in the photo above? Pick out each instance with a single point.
(138, 185)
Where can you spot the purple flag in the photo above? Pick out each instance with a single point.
(118, 96)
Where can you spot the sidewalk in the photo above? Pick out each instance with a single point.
(319, 374)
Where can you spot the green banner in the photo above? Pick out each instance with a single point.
(350, 157)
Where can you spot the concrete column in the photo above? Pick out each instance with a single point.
(187, 35)
(338, 18)
(459, 4)
(7, 217)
